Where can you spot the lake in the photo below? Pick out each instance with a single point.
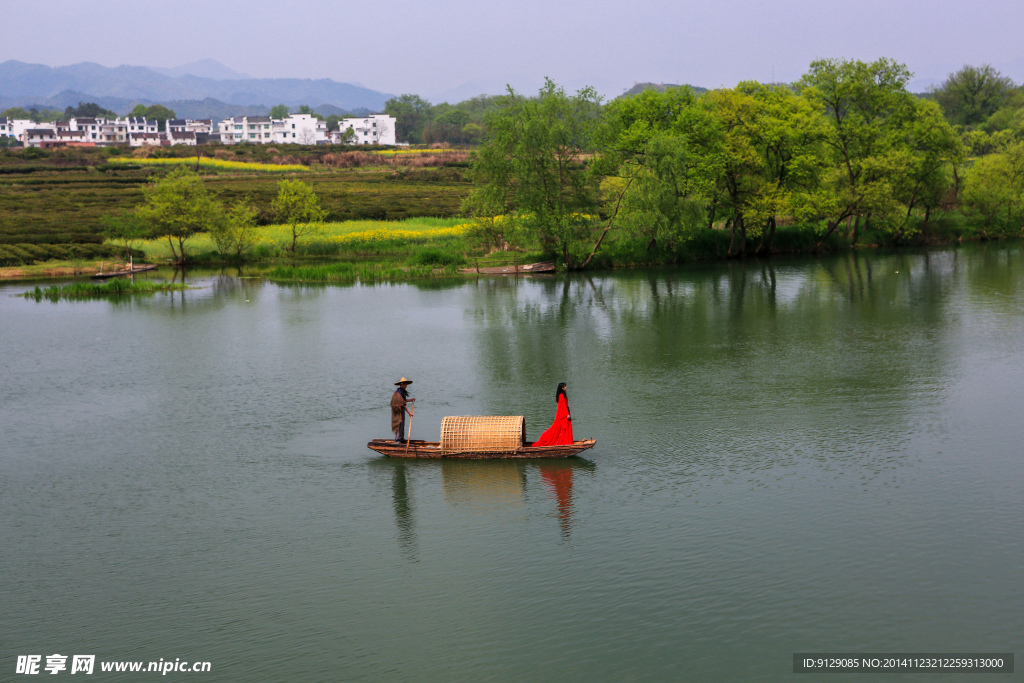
(796, 455)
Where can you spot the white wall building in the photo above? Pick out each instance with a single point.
(252, 129)
(102, 131)
(184, 137)
(375, 129)
(140, 125)
(300, 129)
(189, 125)
(13, 128)
(145, 139)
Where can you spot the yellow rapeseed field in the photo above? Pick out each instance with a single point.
(333, 237)
(218, 164)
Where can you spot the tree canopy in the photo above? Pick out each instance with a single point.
(531, 167)
(156, 111)
(299, 207)
(973, 94)
(177, 207)
(846, 149)
(88, 109)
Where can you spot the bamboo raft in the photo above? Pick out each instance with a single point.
(479, 438)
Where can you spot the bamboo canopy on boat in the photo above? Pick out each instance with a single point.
(483, 433)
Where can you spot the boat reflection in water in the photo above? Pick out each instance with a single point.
(481, 487)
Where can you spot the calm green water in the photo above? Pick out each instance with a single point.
(803, 455)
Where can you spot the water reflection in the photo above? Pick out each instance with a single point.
(403, 511)
(558, 478)
(482, 485)
(488, 487)
(837, 350)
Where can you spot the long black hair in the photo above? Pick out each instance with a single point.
(560, 391)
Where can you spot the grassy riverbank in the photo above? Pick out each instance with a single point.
(108, 290)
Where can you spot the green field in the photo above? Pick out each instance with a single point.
(52, 201)
(355, 238)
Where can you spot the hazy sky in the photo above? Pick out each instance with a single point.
(427, 48)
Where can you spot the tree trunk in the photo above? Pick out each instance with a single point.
(181, 249)
(608, 227)
(711, 214)
(174, 254)
(832, 225)
(767, 237)
(738, 243)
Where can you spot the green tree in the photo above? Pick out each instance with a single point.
(447, 127)
(237, 234)
(994, 188)
(16, 113)
(972, 94)
(660, 158)
(298, 207)
(411, 113)
(1010, 116)
(156, 111)
(931, 154)
(178, 206)
(531, 167)
(866, 107)
(126, 229)
(308, 110)
(279, 111)
(88, 109)
(348, 136)
(769, 158)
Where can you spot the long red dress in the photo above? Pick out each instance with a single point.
(560, 432)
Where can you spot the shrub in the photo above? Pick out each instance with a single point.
(436, 257)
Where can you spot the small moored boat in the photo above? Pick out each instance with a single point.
(479, 437)
(127, 271)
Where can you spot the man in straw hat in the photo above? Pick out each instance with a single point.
(399, 407)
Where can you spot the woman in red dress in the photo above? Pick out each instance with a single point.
(560, 432)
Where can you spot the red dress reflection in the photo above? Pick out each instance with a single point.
(558, 477)
(560, 432)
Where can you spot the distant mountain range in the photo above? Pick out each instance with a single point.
(121, 88)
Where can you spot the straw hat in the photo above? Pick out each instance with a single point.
(403, 381)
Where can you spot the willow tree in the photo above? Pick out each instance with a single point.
(532, 167)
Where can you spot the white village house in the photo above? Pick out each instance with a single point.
(375, 129)
(301, 129)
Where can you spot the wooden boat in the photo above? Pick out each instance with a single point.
(126, 271)
(432, 449)
(479, 438)
(514, 269)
